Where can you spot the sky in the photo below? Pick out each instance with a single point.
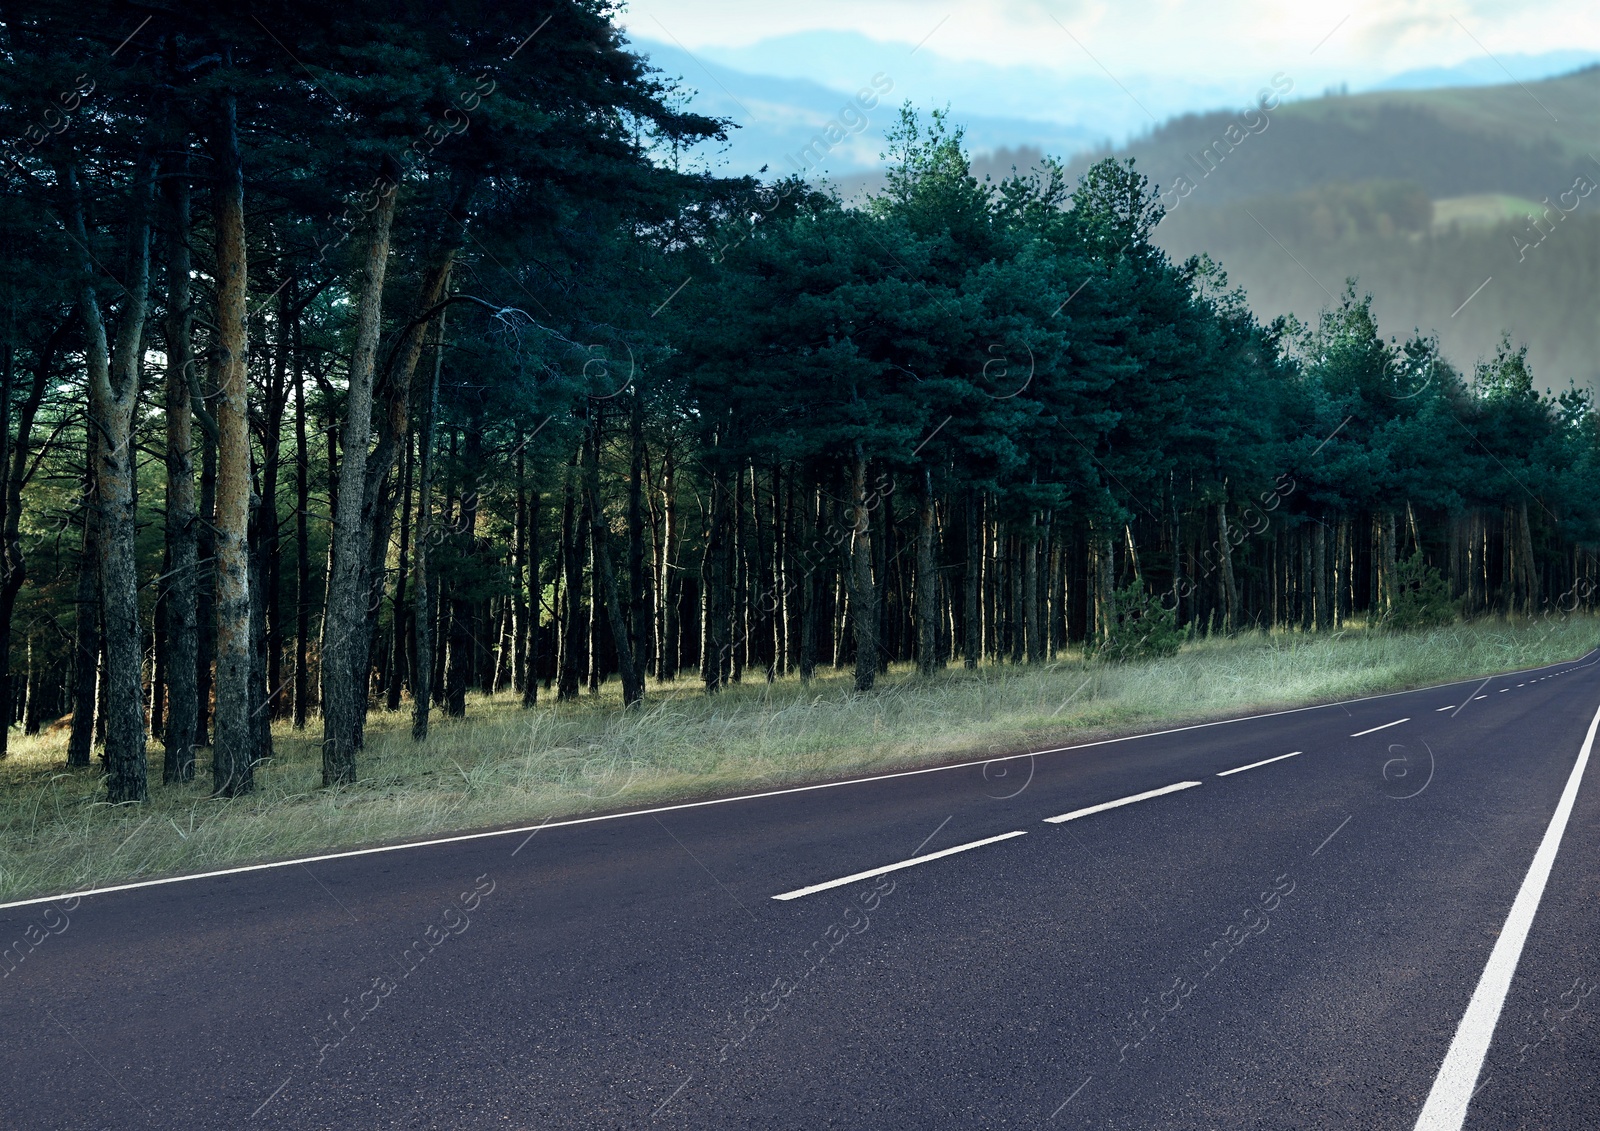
(1217, 40)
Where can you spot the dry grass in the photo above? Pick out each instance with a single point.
(504, 765)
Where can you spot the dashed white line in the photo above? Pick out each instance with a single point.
(1385, 726)
(1263, 762)
(1103, 806)
(1453, 1088)
(867, 875)
(1446, 707)
(523, 830)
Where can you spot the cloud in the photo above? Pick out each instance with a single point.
(1197, 39)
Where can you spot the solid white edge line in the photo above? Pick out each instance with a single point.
(867, 875)
(1385, 726)
(461, 837)
(1119, 802)
(1446, 1107)
(1263, 762)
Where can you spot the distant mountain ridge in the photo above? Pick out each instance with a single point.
(1466, 212)
(778, 89)
(1526, 139)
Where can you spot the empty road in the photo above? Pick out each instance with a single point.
(1377, 914)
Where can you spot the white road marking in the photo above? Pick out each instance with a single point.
(1453, 1088)
(1480, 697)
(867, 875)
(1503, 690)
(1263, 762)
(1385, 726)
(1446, 707)
(1470, 694)
(1103, 806)
(523, 830)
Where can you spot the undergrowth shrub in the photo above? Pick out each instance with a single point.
(1144, 628)
(1422, 597)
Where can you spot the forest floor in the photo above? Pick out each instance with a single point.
(504, 765)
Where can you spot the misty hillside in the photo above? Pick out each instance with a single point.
(1424, 196)
(1527, 139)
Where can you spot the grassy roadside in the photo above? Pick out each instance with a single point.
(502, 764)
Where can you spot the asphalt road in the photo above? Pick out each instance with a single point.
(1323, 940)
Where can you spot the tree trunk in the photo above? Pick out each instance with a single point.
(638, 576)
(572, 624)
(519, 578)
(14, 465)
(972, 585)
(592, 625)
(183, 547)
(756, 585)
(811, 520)
(1105, 586)
(397, 632)
(1305, 583)
(422, 610)
(863, 591)
(260, 692)
(302, 581)
(1385, 563)
(734, 602)
(86, 634)
(464, 629)
(632, 683)
(1230, 588)
(1319, 568)
(345, 637)
(1030, 592)
(669, 586)
(113, 398)
(927, 580)
(1530, 575)
(782, 538)
(714, 647)
(530, 688)
(269, 548)
(1341, 572)
(232, 772)
(1017, 617)
(396, 387)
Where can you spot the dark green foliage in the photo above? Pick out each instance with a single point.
(1422, 597)
(1145, 629)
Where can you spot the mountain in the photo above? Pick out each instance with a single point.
(782, 90)
(1528, 139)
(1446, 205)
(1488, 71)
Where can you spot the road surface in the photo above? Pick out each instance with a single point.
(1377, 914)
